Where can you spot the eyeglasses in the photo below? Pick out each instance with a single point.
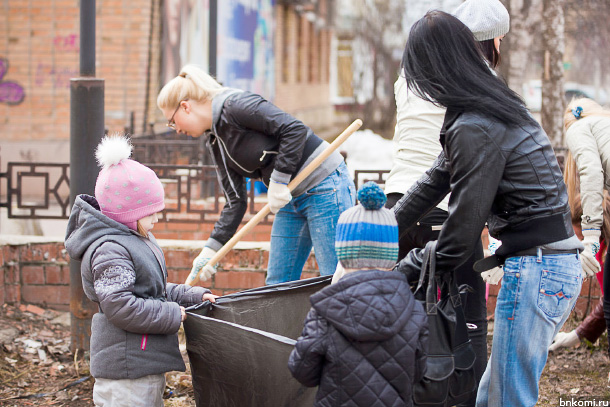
(171, 123)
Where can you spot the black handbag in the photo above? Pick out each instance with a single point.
(450, 377)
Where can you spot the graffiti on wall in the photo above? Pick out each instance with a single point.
(58, 76)
(10, 92)
(245, 40)
(245, 45)
(66, 42)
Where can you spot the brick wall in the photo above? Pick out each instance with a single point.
(39, 273)
(41, 43)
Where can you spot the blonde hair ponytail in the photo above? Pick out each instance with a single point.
(588, 108)
(192, 83)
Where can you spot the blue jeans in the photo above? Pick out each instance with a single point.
(537, 295)
(309, 220)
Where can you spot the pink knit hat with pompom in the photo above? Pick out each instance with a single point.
(126, 190)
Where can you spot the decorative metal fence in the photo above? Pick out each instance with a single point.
(192, 191)
(191, 186)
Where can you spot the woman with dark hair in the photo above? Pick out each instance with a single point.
(416, 146)
(500, 168)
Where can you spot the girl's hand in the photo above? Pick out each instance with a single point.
(210, 297)
(183, 313)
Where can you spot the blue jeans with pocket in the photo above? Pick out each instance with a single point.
(537, 295)
(309, 220)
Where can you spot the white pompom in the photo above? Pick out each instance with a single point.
(112, 150)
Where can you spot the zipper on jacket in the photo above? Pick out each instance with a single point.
(209, 143)
(265, 152)
(229, 155)
(144, 341)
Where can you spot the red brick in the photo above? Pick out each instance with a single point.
(491, 305)
(311, 264)
(63, 254)
(250, 259)
(309, 274)
(10, 254)
(12, 294)
(46, 295)
(218, 292)
(34, 309)
(494, 289)
(238, 279)
(40, 252)
(56, 274)
(11, 274)
(178, 258)
(32, 275)
(177, 276)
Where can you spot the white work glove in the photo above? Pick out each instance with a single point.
(278, 195)
(199, 263)
(590, 265)
(339, 271)
(565, 340)
(493, 276)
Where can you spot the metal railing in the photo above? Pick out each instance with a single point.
(192, 191)
(42, 190)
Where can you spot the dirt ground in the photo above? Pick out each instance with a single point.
(38, 369)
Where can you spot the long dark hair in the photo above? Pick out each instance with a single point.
(489, 50)
(443, 64)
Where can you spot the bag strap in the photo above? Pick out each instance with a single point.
(430, 267)
(448, 284)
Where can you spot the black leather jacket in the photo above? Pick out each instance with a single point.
(252, 138)
(506, 176)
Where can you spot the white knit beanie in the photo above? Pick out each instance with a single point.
(486, 19)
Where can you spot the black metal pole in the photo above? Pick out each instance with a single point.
(213, 37)
(87, 38)
(86, 131)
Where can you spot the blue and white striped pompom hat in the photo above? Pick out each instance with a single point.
(367, 234)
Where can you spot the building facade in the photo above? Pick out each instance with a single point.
(280, 49)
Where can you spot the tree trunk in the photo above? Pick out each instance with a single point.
(517, 47)
(552, 78)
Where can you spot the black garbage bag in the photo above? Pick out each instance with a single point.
(239, 346)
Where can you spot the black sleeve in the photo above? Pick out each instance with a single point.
(253, 112)
(424, 195)
(307, 358)
(234, 186)
(477, 166)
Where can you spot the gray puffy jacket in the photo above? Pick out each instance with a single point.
(135, 332)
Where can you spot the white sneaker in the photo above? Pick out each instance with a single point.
(565, 340)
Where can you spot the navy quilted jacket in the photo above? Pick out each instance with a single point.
(364, 342)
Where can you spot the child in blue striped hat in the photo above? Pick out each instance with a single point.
(365, 337)
(367, 234)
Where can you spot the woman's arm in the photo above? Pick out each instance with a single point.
(477, 167)
(424, 195)
(234, 186)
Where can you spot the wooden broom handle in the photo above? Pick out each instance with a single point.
(256, 219)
